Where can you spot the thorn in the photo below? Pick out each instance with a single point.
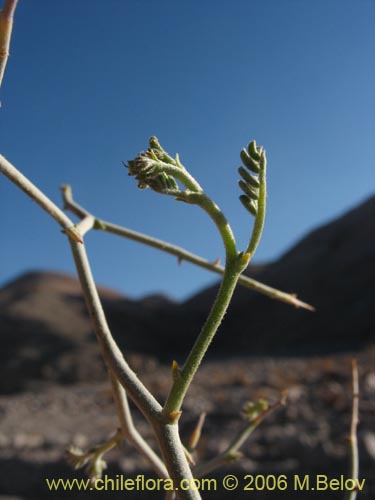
(176, 372)
(217, 262)
(298, 303)
(233, 456)
(197, 432)
(73, 234)
(245, 258)
(179, 260)
(189, 457)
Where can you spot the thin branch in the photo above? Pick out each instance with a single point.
(129, 431)
(85, 225)
(196, 434)
(6, 25)
(78, 458)
(353, 441)
(111, 353)
(232, 452)
(167, 434)
(71, 205)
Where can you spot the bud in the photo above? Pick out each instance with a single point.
(249, 162)
(141, 165)
(253, 410)
(251, 192)
(250, 205)
(159, 151)
(76, 457)
(250, 179)
(254, 150)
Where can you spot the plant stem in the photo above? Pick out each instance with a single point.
(112, 355)
(232, 452)
(183, 176)
(175, 459)
(36, 195)
(130, 432)
(111, 352)
(209, 206)
(6, 25)
(218, 310)
(353, 441)
(167, 435)
(180, 253)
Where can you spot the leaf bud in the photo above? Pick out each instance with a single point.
(249, 162)
(250, 205)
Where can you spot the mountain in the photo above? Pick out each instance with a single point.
(46, 334)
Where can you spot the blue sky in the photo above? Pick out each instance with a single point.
(89, 81)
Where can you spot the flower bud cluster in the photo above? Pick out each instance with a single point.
(253, 159)
(148, 168)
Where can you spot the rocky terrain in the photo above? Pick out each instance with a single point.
(53, 388)
(307, 436)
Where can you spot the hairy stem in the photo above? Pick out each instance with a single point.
(181, 174)
(71, 205)
(210, 207)
(175, 460)
(184, 376)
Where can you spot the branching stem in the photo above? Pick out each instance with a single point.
(129, 431)
(234, 265)
(232, 452)
(71, 205)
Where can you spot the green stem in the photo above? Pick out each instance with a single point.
(181, 174)
(180, 253)
(209, 206)
(219, 308)
(232, 452)
(235, 264)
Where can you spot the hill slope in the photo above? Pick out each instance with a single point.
(46, 334)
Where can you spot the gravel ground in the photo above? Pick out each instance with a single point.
(307, 436)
